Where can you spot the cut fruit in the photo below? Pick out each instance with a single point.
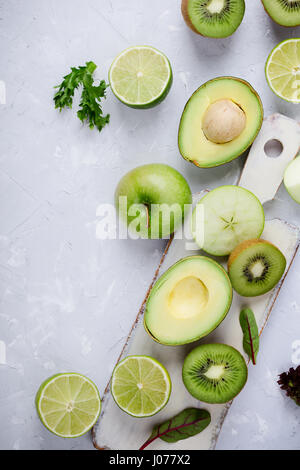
(292, 179)
(283, 70)
(188, 301)
(140, 386)
(213, 18)
(283, 12)
(68, 404)
(255, 267)
(141, 76)
(219, 122)
(225, 217)
(214, 373)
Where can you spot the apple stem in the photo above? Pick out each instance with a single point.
(147, 215)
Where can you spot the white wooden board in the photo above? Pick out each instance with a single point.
(263, 174)
(117, 430)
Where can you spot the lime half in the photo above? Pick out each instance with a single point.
(283, 70)
(140, 76)
(68, 404)
(140, 386)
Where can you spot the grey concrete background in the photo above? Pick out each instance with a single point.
(67, 299)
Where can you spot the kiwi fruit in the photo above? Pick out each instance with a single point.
(283, 12)
(214, 373)
(255, 267)
(213, 18)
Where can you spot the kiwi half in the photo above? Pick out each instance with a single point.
(255, 267)
(214, 373)
(283, 12)
(213, 18)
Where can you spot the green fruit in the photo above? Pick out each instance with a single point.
(225, 217)
(214, 373)
(255, 267)
(68, 404)
(283, 70)
(219, 122)
(213, 18)
(188, 301)
(140, 386)
(283, 12)
(157, 198)
(292, 179)
(141, 77)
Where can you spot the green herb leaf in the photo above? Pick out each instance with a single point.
(290, 382)
(90, 107)
(250, 330)
(187, 423)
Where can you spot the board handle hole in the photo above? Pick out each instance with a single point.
(273, 148)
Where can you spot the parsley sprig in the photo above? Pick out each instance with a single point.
(90, 110)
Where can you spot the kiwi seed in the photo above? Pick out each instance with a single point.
(289, 6)
(284, 12)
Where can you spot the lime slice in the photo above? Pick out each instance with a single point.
(68, 404)
(283, 70)
(140, 386)
(292, 179)
(140, 76)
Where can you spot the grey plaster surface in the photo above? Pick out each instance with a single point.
(67, 298)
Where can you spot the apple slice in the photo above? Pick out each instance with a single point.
(292, 179)
(225, 217)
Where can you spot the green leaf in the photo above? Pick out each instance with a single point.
(250, 330)
(187, 423)
(90, 109)
(90, 104)
(290, 382)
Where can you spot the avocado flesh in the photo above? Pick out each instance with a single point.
(284, 13)
(188, 301)
(193, 144)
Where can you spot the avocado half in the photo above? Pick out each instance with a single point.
(188, 301)
(219, 122)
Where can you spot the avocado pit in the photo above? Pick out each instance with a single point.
(223, 121)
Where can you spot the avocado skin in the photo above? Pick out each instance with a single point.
(243, 149)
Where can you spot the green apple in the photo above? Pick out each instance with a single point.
(153, 200)
(292, 179)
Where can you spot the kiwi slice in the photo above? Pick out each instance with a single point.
(214, 373)
(213, 18)
(255, 267)
(283, 12)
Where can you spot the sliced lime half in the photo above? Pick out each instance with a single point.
(283, 70)
(141, 76)
(68, 404)
(140, 386)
